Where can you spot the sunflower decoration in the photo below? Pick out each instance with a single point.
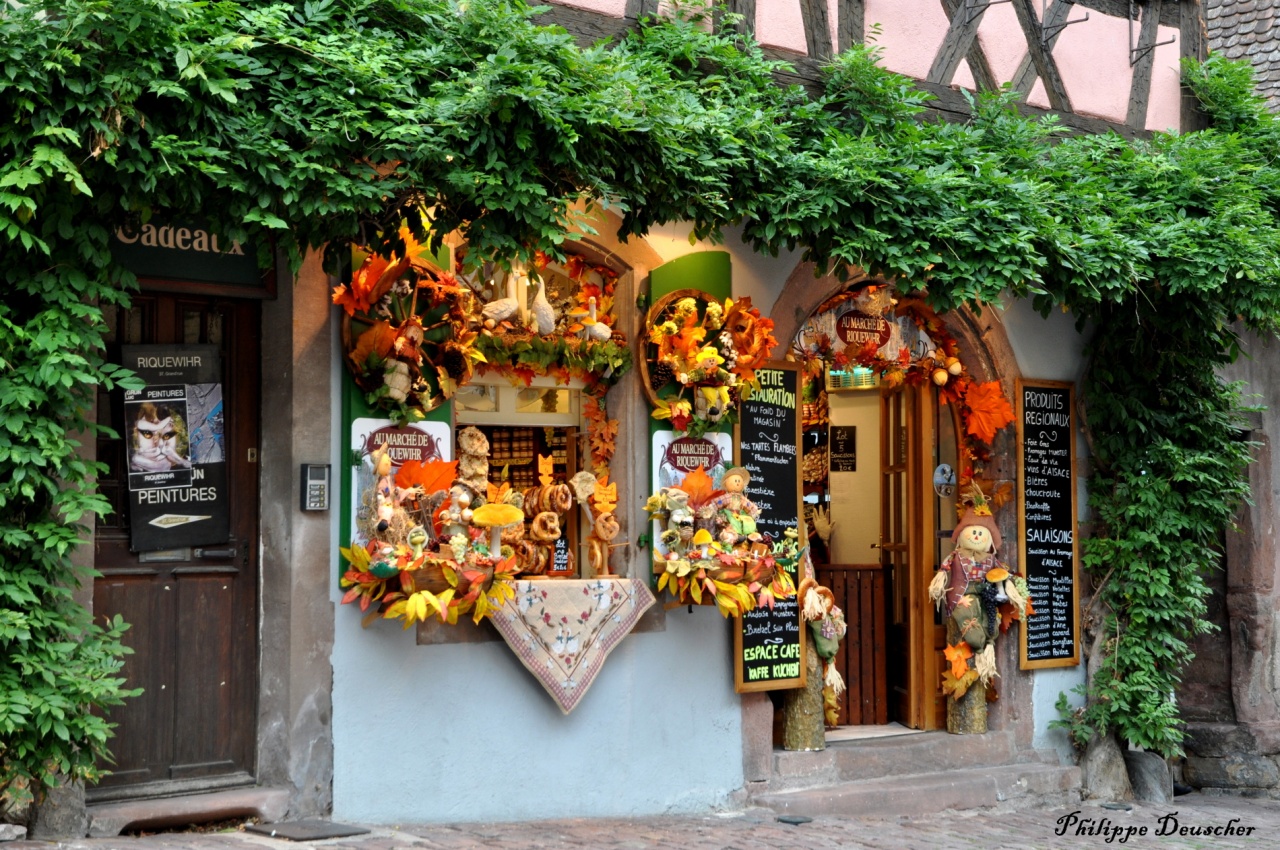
(407, 330)
(702, 358)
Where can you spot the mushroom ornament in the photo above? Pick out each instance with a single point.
(496, 516)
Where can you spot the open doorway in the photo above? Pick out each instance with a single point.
(874, 440)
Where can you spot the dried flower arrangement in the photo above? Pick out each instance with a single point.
(702, 356)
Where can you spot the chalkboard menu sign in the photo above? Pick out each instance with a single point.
(844, 448)
(1047, 522)
(769, 643)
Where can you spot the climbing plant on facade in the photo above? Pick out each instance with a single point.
(323, 122)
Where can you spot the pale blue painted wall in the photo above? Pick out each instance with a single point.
(1050, 348)
(463, 732)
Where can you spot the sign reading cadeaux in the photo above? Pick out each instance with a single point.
(1047, 522)
(769, 643)
(175, 448)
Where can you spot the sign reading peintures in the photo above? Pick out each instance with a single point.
(769, 643)
(1047, 522)
(175, 448)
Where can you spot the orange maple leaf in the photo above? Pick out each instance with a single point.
(605, 497)
(546, 470)
(700, 487)
(378, 340)
(498, 492)
(432, 476)
(688, 341)
(989, 410)
(959, 656)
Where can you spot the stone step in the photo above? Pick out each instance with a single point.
(898, 795)
(923, 752)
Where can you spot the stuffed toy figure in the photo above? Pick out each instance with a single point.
(972, 583)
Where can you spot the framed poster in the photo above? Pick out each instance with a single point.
(175, 448)
(1047, 529)
(769, 643)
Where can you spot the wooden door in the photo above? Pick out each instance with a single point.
(193, 611)
(907, 532)
(860, 591)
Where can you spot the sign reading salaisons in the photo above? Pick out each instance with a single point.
(175, 448)
(1047, 522)
(769, 643)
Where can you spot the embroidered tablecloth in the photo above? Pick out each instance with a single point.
(563, 629)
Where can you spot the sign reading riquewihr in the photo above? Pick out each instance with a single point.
(175, 448)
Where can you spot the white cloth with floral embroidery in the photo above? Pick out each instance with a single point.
(563, 629)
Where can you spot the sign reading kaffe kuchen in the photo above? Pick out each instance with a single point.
(175, 448)
(1047, 522)
(769, 643)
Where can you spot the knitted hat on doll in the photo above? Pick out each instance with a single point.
(975, 510)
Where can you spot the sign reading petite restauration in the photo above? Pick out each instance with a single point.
(769, 643)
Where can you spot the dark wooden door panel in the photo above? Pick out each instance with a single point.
(193, 615)
(143, 724)
(860, 590)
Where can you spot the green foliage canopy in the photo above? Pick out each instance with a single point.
(323, 121)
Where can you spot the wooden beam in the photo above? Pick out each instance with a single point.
(1056, 15)
(1046, 68)
(949, 104)
(1120, 9)
(1193, 43)
(747, 9)
(1140, 88)
(817, 29)
(637, 9)
(961, 41)
(850, 23)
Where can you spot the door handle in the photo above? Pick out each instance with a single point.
(216, 553)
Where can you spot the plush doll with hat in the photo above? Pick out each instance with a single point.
(972, 583)
(826, 626)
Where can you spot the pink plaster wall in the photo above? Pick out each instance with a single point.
(612, 8)
(1092, 56)
(780, 24)
(910, 32)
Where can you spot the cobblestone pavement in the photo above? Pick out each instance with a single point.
(1240, 823)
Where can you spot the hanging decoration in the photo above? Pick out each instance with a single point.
(866, 336)
(701, 357)
(415, 332)
(709, 550)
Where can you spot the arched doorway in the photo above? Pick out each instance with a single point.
(884, 449)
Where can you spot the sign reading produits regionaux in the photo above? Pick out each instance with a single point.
(1047, 522)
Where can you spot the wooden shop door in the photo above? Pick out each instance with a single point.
(907, 548)
(192, 611)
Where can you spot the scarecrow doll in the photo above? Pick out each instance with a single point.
(973, 586)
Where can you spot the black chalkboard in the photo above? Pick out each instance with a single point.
(1047, 522)
(844, 448)
(769, 642)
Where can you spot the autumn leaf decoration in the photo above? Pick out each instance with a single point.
(546, 470)
(700, 487)
(432, 476)
(957, 680)
(989, 410)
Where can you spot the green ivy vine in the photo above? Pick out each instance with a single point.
(320, 122)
